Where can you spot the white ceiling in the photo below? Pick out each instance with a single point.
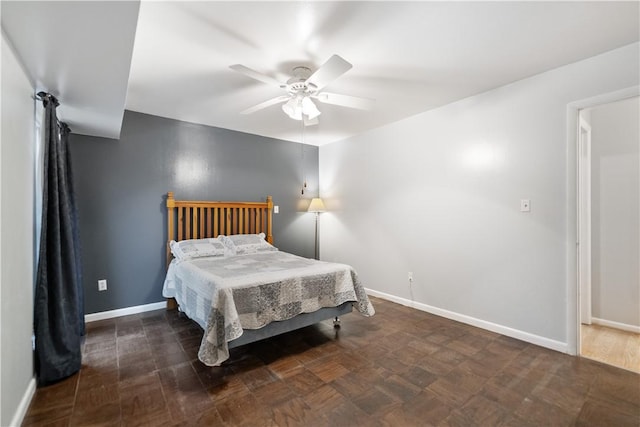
(81, 53)
(409, 56)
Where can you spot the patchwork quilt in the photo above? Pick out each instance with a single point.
(225, 295)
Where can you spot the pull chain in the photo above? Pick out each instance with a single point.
(304, 177)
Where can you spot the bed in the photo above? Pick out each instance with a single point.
(225, 274)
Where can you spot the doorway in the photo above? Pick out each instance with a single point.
(608, 211)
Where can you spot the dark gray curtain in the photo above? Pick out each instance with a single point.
(58, 308)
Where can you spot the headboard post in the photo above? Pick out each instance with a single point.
(171, 204)
(269, 219)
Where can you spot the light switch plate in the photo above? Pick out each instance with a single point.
(276, 209)
(525, 205)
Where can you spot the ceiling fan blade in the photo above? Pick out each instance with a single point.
(266, 104)
(346, 100)
(330, 70)
(256, 75)
(310, 122)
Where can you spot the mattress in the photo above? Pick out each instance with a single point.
(226, 295)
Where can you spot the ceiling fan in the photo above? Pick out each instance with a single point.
(303, 86)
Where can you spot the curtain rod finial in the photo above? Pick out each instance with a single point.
(47, 97)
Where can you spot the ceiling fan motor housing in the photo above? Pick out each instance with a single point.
(298, 83)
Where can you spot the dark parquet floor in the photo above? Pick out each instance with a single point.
(402, 367)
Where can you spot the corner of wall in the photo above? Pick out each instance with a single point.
(17, 384)
(23, 406)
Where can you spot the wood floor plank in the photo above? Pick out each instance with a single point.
(402, 367)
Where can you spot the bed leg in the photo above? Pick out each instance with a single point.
(336, 322)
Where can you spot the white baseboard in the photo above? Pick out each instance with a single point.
(23, 406)
(124, 311)
(616, 325)
(493, 327)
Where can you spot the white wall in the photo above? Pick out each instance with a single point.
(16, 246)
(615, 173)
(439, 194)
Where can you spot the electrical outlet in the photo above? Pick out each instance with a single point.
(410, 276)
(102, 285)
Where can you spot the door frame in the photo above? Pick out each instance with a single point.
(573, 232)
(583, 152)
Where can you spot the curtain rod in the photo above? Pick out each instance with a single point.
(47, 97)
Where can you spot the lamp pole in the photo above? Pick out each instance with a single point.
(317, 243)
(316, 206)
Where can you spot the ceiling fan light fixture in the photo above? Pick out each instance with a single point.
(293, 109)
(300, 106)
(309, 109)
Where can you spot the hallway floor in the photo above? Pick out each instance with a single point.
(611, 346)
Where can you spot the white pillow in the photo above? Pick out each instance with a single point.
(243, 244)
(197, 248)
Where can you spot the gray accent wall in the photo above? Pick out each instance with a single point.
(121, 188)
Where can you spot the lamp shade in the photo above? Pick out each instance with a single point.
(299, 106)
(293, 109)
(309, 108)
(316, 205)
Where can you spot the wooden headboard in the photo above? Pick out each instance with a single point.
(188, 219)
